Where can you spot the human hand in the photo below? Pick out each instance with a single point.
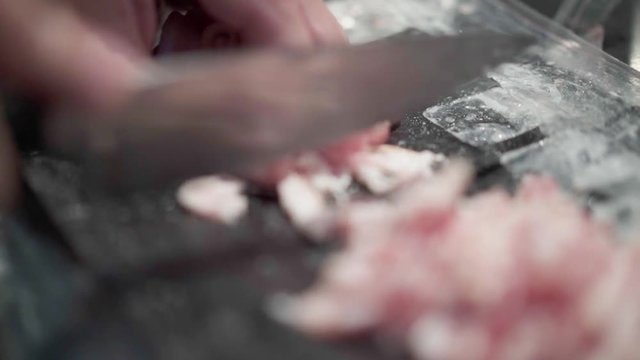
(95, 51)
(254, 23)
(56, 55)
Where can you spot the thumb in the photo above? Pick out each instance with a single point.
(55, 55)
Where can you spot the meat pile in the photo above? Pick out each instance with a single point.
(493, 276)
(489, 277)
(312, 186)
(215, 197)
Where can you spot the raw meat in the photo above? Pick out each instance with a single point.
(389, 167)
(335, 158)
(306, 163)
(491, 277)
(336, 187)
(308, 207)
(312, 199)
(310, 186)
(216, 198)
(341, 154)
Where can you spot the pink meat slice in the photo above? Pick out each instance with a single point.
(309, 186)
(335, 158)
(357, 284)
(216, 198)
(341, 154)
(308, 207)
(495, 276)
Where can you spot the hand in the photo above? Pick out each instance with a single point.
(55, 54)
(215, 23)
(94, 52)
(133, 22)
(297, 23)
(288, 23)
(97, 53)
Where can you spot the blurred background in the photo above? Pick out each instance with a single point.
(619, 27)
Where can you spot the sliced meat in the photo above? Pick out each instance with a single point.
(336, 187)
(308, 208)
(612, 305)
(313, 187)
(216, 198)
(445, 338)
(494, 276)
(335, 158)
(389, 167)
(306, 163)
(340, 155)
(327, 194)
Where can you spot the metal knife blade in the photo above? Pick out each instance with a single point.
(235, 112)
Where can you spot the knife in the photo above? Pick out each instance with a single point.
(234, 112)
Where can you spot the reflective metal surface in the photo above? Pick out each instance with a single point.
(243, 111)
(584, 101)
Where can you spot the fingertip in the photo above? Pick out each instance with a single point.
(326, 29)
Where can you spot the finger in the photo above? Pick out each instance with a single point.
(56, 55)
(264, 22)
(133, 21)
(324, 26)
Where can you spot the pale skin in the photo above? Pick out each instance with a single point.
(95, 54)
(91, 51)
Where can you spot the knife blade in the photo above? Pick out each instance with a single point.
(230, 113)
